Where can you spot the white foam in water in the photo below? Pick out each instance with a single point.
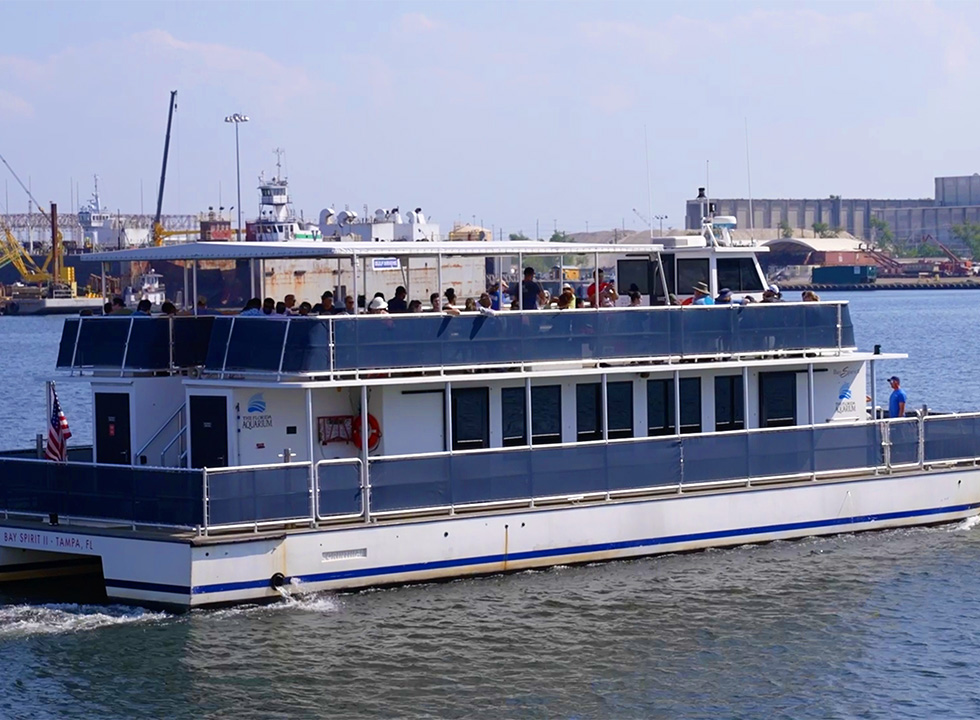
(57, 618)
(968, 524)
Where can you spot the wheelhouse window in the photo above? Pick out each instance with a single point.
(739, 275)
(729, 403)
(689, 273)
(471, 418)
(777, 399)
(546, 414)
(513, 412)
(660, 406)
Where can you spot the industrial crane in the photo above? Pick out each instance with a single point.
(158, 232)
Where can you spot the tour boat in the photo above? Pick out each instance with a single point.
(238, 458)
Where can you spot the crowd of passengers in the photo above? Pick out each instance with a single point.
(497, 297)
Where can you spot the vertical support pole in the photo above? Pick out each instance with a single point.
(839, 329)
(365, 469)
(311, 447)
(194, 270)
(353, 269)
(104, 295)
(448, 413)
(874, 391)
(439, 277)
(520, 281)
(204, 499)
(500, 282)
(921, 428)
(745, 397)
(595, 279)
(365, 293)
(187, 286)
(251, 278)
(528, 435)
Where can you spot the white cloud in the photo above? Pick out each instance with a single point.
(11, 104)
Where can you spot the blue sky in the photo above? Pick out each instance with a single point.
(509, 112)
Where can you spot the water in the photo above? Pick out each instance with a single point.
(879, 625)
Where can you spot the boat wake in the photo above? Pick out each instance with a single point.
(968, 524)
(59, 618)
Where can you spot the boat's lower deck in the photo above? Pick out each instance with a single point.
(183, 569)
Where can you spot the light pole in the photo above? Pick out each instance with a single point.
(661, 218)
(237, 119)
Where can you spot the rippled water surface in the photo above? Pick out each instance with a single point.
(878, 625)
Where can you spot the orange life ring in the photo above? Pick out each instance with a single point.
(374, 432)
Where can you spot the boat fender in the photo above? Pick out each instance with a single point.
(374, 432)
(277, 580)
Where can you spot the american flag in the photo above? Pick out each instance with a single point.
(58, 432)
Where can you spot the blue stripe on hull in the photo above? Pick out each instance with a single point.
(537, 554)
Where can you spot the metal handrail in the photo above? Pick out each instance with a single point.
(155, 435)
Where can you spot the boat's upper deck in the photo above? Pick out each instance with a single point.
(343, 346)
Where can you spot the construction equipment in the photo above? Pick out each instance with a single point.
(158, 232)
(888, 265)
(955, 266)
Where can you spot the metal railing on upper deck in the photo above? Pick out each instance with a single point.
(346, 346)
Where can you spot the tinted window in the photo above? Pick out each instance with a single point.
(689, 274)
(777, 399)
(690, 405)
(513, 412)
(546, 414)
(660, 407)
(588, 418)
(729, 405)
(633, 272)
(738, 275)
(471, 418)
(619, 401)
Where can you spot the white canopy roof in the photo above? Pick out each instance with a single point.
(297, 250)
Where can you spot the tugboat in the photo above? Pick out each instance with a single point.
(276, 221)
(239, 458)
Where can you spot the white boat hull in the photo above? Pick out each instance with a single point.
(188, 572)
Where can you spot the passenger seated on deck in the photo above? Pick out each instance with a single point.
(107, 309)
(305, 309)
(724, 297)
(119, 307)
(702, 295)
(349, 306)
(398, 303)
(290, 302)
(281, 309)
(268, 306)
(635, 298)
(252, 308)
(470, 305)
(326, 304)
(378, 306)
(415, 306)
(169, 309)
(435, 302)
(771, 294)
(567, 299)
(810, 296)
(143, 308)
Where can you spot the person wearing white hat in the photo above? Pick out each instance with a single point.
(771, 294)
(378, 306)
(566, 301)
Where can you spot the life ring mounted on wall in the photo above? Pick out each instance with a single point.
(374, 433)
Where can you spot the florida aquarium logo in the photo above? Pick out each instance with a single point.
(257, 417)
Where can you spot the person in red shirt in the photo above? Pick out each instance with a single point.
(607, 293)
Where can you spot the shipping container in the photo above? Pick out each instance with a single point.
(844, 274)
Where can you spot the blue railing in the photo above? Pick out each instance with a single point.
(342, 490)
(311, 346)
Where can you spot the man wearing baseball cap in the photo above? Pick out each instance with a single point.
(896, 403)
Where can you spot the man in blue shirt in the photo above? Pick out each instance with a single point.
(896, 403)
(702, 295)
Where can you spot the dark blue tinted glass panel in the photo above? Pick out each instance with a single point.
(488, 478)
(904, 438)
(192, 337)
(149, 344)
(220, 332)
(545, 414)
(780, 453)
(715, 457)
(660, 407)
(66, 348)
(140, 495)
(102, 342)
(844, 447)
(339, 489)
(650, 463)
(513, 411)
(588, 418)
(952, 438)
(307, 346)
(401, 484)
(258, 495)
(256, 344)
(619, 409)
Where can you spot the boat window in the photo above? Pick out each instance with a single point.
(739, 275)
(729, 405)
(588, 403)
(689, 273)
(513, 412)
(634, 271)
(619, 399)
(777, 399)
(545, 414)
(471, 418)
(667, 260)
(660, 406)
